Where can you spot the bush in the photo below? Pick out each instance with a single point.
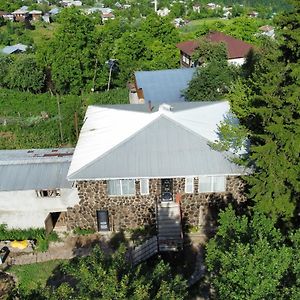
(37, 234)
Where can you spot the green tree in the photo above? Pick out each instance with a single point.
(214, 76)
(25, 74)
(267, 105)
(5, 64)
(250, 259)
(72, 52)
(99, 276)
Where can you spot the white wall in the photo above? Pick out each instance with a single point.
(23, 209)
(237, 61)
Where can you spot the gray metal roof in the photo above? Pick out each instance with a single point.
(164, 86)
(14, 48)
(34, 169)
(163, 148)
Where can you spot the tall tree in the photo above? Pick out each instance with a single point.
(72, 52)
(267, 104)
(213, 78)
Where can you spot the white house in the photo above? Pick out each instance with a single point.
(34, 188)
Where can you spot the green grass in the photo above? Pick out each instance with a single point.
(34, 275)
(26, 129)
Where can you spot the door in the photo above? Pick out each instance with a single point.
(167, 190)
(102, 220)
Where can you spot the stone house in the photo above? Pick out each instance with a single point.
(130, 160)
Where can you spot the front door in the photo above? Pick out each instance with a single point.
(166, 190)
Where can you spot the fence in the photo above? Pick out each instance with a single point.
(144, 251)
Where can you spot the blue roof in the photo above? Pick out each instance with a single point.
(14, 48)
(164, 86)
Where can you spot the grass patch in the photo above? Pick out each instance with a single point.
(83, 231)
(33, 276)
(37, 234)
(24, 126)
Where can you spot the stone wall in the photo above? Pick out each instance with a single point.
(133, 211)
(123, 211)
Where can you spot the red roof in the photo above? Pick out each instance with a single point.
(188, 47)
(235, 48)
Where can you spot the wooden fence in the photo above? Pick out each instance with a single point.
(144, 251)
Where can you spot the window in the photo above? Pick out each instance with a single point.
(189, 185)
(48, 193)
(209, 184)
(186, 59)
(121, 187)
(144, 186)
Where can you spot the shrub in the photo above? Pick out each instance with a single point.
(37, 234)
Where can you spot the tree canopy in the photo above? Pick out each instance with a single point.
(267, 104)
(250, 259)
(100, 276)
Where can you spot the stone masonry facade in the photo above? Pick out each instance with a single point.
(128, 212)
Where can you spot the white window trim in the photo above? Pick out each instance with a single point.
(52, 193)
(212, 184)
(186, 184)
(147, 182)
(121, 188)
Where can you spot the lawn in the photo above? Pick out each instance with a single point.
(34, 275)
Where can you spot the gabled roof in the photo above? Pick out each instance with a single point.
(164, 86)
(188, 47)
(34, 169)
(127, 141)
(21, 10)
(235, 47)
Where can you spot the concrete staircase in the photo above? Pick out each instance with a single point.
(169, 227)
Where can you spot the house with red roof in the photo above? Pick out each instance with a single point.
(237, 50)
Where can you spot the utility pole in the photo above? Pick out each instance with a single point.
(155, 5)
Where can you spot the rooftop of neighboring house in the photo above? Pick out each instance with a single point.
(266, 28)
(3, 13)
(164, 86)
(14, 48)
(34, 169)
(159, 141)
(36, 12)
(21, 10)
(235, 47)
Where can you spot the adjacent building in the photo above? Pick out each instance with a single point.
(34, 190)
(237, 50)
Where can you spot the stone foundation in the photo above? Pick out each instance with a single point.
(133, 211)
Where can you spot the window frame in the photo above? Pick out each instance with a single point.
(212, 184)
(50, 193)
(192, 184)
(148, 188)
(121, 188)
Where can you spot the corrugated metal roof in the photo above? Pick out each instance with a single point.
(164, 148)
(14, 48)
(34, 169)
(123, 142)
(164, 86)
